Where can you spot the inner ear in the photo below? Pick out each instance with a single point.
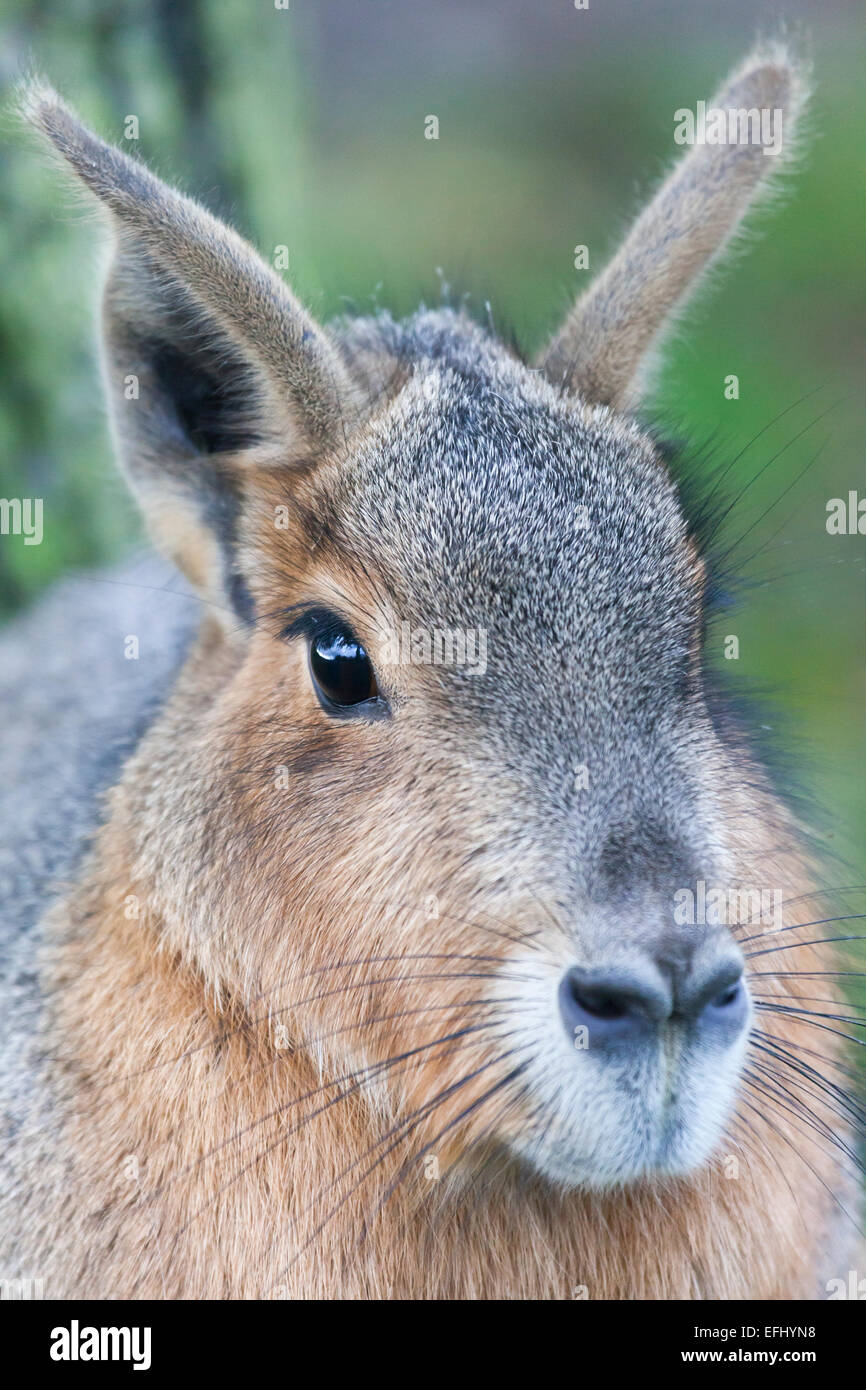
(214, 402)
(188, 406)
(199, 390)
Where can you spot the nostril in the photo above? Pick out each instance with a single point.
(728, 996)
(599, 1006)
(603, 1007)
(723, 1014)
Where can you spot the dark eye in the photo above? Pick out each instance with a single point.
(341, 668)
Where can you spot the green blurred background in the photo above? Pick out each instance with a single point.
(306, 127)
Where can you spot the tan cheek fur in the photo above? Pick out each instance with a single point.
(260, 1156)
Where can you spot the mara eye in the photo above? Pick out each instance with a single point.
(341, 669)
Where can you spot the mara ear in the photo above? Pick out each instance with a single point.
(601, 350)
(209, 359)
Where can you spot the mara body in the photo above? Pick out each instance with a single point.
(340, 965)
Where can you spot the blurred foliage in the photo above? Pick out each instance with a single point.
(284, 122)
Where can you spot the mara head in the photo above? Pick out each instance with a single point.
(441, 763)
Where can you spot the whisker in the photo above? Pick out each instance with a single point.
(361, 1076)
(773, 458)
(761, 432)
(775, 1084)
(752, 1130)
(803, 926)
(813, 999)
(406, 1128)
(827, 1093)
(295, 1129)
(796, 945)
(787, 1008)
(853, 1073)
(807, 974)
(299, 1003)
(764, 514)
(811, 1023)
(785, 1139)
(762, 1092)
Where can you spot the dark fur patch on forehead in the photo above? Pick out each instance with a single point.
(479, 479)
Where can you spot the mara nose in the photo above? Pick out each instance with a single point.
(619, 1006)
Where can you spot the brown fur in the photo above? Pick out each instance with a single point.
(245, 1150)
(248, 999)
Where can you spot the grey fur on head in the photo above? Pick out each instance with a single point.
(514, 498)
